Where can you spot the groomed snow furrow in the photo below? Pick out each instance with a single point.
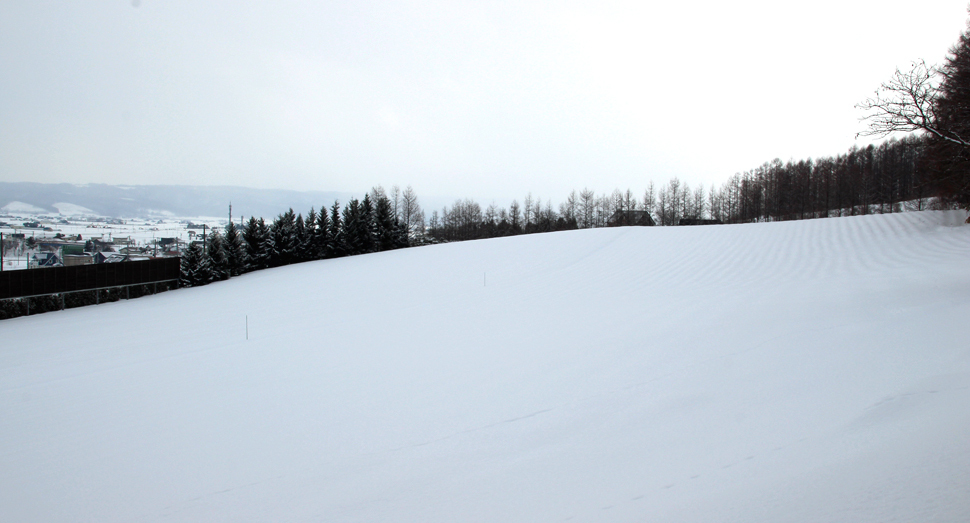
(800, 371)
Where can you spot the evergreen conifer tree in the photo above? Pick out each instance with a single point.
(285, 239)
(351, 230)
(203, 275)
(384, 225)
(321, 235)
(335, 237)
(251, 244)
(190, 264)
(949, 147)
(235, 253)
(299, 238)
(218, 261)
(367, 234)
(195, 267)
(308, 244)
(265, 255)
(400, 235)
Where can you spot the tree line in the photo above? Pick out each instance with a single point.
(378, 222)
(860, 181)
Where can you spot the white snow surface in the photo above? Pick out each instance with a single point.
(16, 206)
(812, 371)
(71, 209)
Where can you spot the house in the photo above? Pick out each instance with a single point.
(101, 245)
(72, 248)
(45, 259)
(49, 245)
(625, 217)
(109, 257)
(170, 246)
(698, 221)
(70, 260)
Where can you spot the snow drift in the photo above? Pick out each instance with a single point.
(803, 371)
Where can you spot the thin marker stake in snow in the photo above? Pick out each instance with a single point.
(247, 327)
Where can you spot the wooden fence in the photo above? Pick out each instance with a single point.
(58, 280)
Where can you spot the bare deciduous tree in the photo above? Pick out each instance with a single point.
(515, 216)
(395, 198)
(527, 210)
(411, 215)
(907, 103)
(587, 204)
(569, 208)
(649, 198)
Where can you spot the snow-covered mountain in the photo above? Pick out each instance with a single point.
(156, 201)
(803, 371)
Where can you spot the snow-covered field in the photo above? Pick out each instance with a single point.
(814, 371)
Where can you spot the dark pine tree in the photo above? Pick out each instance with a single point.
(251, 242)
(385, 224)
(215, 252)
(285, 238)
(299, 236)
(321, 235)
(195, 267)
(308, 246)
(948, 157)
(189, 264)
(335, 236)
(266, 253)
(400, 235)
(352, 228)
(368, 229)
(235, 253)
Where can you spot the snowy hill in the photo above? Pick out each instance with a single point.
(155, 201)
(802, 371)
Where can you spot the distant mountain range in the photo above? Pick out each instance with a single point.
(157, 201)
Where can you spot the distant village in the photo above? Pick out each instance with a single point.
(34, 242)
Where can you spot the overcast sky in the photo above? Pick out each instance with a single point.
(478, 99)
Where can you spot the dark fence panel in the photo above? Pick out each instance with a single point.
(16, 284)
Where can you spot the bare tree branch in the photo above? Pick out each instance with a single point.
(906, 104)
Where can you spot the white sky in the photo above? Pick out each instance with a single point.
(479, 99)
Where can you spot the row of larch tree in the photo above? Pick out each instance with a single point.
(861, 181)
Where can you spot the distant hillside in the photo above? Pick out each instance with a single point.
(143, 201)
